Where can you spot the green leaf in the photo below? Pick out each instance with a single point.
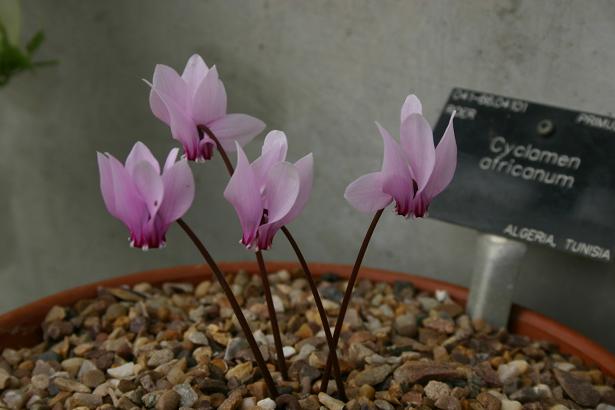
(35, 42)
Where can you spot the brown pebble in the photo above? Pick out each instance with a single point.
(168, 401)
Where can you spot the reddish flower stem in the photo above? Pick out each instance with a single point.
(348, 294)
(321, 311)
(306, 271)
(272, 315)
(234, 304)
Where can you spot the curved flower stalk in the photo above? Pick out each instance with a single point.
(413, 171)
(194, 105)
(145, 200)
(148, 202)
(270, 192)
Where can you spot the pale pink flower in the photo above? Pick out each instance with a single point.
(145, 200)
(270, 192)
(197, 99)
(413, 171)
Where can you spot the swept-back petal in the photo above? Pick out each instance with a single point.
(305, 168)
(273, 151)
(240, 128)
(416, 139)
(412, 105)
(149, 185)
(194, 72)
(171, 158)
(166, 81)
(182, 126)
(129, 206)
(178, 184)
(281, 192)
(397, 176)
(106, 183)
(446, 162)
(365, 193)
(243, 193)
(209, 101)
(157, 105)
(140, 152)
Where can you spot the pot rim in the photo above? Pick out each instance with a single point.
(21, 327)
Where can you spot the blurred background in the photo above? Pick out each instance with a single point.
(323, 71)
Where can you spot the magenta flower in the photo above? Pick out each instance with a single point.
(413, 170)
(270, 192)
(143, 199)
(196, 100)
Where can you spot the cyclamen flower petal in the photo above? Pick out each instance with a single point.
(194, 100)
(143, 199)
(270, 192)
(243, 193)
(413, 171)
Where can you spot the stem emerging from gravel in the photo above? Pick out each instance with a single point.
(321, 312)
(277, 337)
(348, 294)
(306, 271)
(272, 316)
(234, 304)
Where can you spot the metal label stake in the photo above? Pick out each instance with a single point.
(496, 268)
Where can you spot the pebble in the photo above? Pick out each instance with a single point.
(91, 401)
(169, 400)
(373, 375)
(534, 393)
(187, 394)
(288, 351)
(367, 391)
(579, 390)
(70, 385)
(159, 357)
(329, 402)
(436, 390)
(233, 401)
(415, 372)
(40, 381)
(489, 401)
(14, 399)
(383, 405)
(242, 372)
(124, 371)
(4, 378)
(266, 404)
(509, 372)
(278, 304)
(93, 378)
(511, 405)
(406, 325)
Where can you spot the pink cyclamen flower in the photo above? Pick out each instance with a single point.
(143, 199)
(413, 171)
(194, 100)
(270, 192)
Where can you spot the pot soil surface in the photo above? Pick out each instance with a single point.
(180, 347)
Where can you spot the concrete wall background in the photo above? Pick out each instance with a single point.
(323, 71)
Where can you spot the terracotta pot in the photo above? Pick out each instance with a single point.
(21, 327)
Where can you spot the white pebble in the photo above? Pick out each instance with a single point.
(266, 404)
(278, 305)
(288, 351)
(511, 405)
(441, 295)
(124, 371)
(510, 371)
